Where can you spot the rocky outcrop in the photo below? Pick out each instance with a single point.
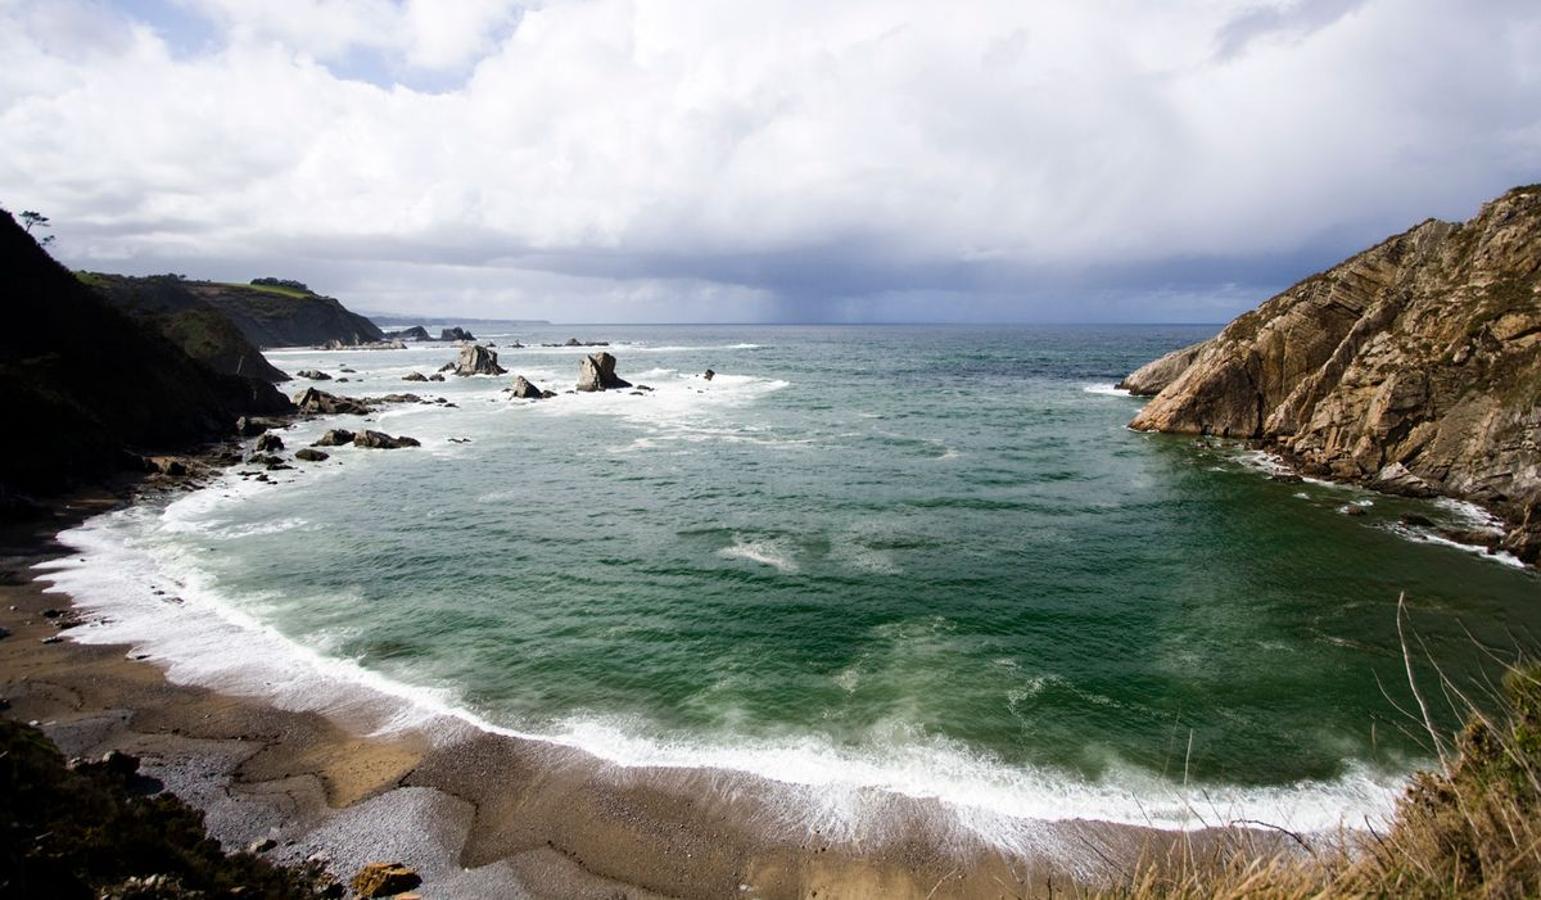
(478, 360)
(1153, 377)
(334, 437)
(456, 334)
(415, 333)
(103, 385)
(524, 389)
(268, 443)
(596, 372)
(379, 440)
(415, 376)
(1414, 366)
(313, 375)
(312, 402)
(309, 455)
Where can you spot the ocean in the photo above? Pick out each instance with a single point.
(922, 560)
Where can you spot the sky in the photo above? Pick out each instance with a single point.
(776, 161)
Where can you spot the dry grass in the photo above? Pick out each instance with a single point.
(1471, 828)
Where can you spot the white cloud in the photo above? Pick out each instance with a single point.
(743, 152)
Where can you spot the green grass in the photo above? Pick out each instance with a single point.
(268, 289)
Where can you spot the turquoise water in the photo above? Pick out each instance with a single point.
(932, 559)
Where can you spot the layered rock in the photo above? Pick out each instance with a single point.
(596, 372)
(1414, 366)
(478, 360)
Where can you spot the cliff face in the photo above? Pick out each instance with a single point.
(1414, 366)
(266, 316)
(87, 385)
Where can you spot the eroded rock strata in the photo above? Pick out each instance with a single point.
(1414, 367)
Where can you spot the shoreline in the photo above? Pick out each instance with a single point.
(475, 812)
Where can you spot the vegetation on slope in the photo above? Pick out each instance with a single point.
(1472, 828)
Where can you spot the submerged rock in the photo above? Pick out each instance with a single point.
(477, 360)
(596, 372)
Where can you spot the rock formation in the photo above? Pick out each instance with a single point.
(309, 455)
(335, 437)
(312, 402)
(379, 440)
(456, 334)
(524, 389)
(596, 372)
(415, 376)
(313, 375)
(1153, 377)
(415, 333)
(478, 360)
(269, 443)
(1413, 367)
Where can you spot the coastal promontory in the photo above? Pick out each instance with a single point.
(1412, 367)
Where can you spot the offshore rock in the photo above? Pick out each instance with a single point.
(335, 437)
(379, 440)
(320, 403)
(456, 334)
(478, 360)
(269, 443)
(525, 390)
(1413, 367)
(596, 372)
(313, 375)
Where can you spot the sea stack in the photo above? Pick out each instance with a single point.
(596, 372)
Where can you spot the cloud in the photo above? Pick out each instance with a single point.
(608, 158)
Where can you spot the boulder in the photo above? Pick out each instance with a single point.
(251, 426)
(384, 879)
(265, 459)
(524, 390)
(314, 375)
(379, 440)
(1396, 479)
(708, 374)
(414, 376)
(269, 443)
(335, 437)
(309, 455)
(456, 334)
(320, 403)
(436, 376)
(596, 372)
(477, 360)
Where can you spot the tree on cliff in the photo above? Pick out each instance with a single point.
(31, 218)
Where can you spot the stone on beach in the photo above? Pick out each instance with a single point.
(384, 879)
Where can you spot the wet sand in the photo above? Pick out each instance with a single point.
(485, 815)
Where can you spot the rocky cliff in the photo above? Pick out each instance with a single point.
(267, 315)
(1414, 366)
(87, 386)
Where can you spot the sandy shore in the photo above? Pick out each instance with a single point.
(485, 815)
